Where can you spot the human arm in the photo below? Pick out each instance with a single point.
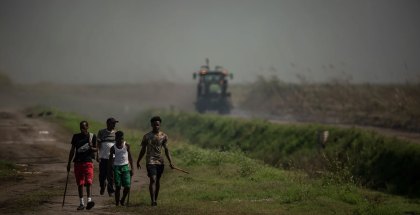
(98, 143)
(130, 159)
(168, 156)
(167, 153)
(142, 152)
(110, 161)
(92, 144)
(71, 155)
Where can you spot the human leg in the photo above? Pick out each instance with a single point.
(82, 203)
(117, 179)
(126, 190)
(88, 184)
(80, 180)
(152, 189)
(117, 195)
(158, 175)
(80, 190)
(154, 172)
(88, 190)
(90, 203)
(126, 183)
(110, 185)
(103, 165)
(157, 188)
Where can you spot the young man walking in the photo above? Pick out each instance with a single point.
(106, 139)
(82, 146)
(151, 145)
(119, 159)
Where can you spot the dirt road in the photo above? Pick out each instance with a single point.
(41, 149)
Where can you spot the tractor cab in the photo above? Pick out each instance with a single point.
(212, 89)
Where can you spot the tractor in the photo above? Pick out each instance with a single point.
(212, 94)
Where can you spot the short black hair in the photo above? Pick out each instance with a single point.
(119, 134)
(83, 122)
(155, 118)
(111, 120)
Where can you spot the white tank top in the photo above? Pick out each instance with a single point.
(121, 155)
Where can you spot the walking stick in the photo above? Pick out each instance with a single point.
(129, 191)
(128, 197)
(184, 171)
(65, 189)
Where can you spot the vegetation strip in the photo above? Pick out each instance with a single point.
(228, 182)
(353, 155)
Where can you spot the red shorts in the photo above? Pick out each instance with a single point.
(83, 172)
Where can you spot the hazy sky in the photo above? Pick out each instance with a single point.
(98, 41)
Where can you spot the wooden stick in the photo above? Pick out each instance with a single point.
(129, 191)
(65, 189)
(181, 170)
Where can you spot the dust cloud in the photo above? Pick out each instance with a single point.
(99, 102)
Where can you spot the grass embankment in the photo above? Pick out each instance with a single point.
(225, 182)
(355, 155)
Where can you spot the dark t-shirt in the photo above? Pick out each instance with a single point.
(83, 151)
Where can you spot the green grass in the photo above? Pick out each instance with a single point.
(8, 171)
(229, 182)
(353, 155)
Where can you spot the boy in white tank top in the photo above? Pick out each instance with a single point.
(120, 167)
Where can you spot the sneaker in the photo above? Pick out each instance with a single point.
(154, 204)
(90, 205)
(81, 207)
(102, 191)
(122, 203)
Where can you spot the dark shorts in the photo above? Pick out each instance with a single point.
(154, 169)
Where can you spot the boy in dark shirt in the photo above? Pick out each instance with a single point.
(82, 146)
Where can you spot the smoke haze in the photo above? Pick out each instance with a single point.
(140, 41)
